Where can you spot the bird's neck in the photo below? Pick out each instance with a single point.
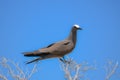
(73, 36)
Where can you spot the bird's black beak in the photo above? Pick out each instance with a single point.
(80, 29)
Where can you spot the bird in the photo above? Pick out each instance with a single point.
(57, 49)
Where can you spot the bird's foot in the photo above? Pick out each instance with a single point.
(64, 61)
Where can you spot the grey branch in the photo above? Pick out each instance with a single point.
(14, 70)
(111, 68)
(3, 77)
(70, 67)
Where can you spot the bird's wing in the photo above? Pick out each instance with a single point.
(33, 60)
(50, 45)
(66, 42)
(62, 47)
(59, 48)
(39, 52)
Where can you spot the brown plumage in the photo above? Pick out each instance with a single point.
(58, 49)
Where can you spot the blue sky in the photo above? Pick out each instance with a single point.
(27, 25)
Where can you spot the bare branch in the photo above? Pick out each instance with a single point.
(74, 71)
(77, 72)
(66, 70)
(33, 71)
(14, 70)
(3, 77)
(110, 68)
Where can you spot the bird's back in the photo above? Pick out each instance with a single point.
(62, 48)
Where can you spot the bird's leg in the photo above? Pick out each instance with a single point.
(63, 59)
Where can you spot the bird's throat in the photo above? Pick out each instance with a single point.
(73, 36)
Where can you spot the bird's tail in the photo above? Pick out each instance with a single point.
(33, 60)
(35, 54)
(40, 58)
(29, 54)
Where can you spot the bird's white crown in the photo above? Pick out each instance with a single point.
(77, 26)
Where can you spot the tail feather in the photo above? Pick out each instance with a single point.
(29, 54)
(40, 55)
(34, 54)
(40, 58)
(33, 61)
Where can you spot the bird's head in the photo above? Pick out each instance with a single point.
(77, 27)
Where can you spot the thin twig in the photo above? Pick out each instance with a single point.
(3, 77)
(33, 71)
(111, 70)
(14, 70)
